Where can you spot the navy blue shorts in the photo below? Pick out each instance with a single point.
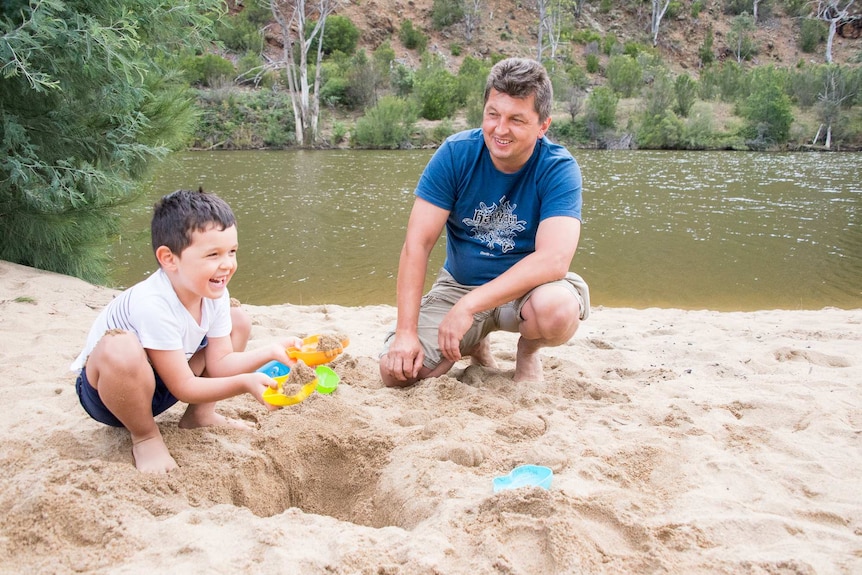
(92, 403)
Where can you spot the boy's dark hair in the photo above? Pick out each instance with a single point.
(179, 214)
(520, 77)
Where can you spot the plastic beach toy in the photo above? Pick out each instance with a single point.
(325, 382)
(311, 355)
(525, 476)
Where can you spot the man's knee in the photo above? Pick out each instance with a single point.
(553, 314)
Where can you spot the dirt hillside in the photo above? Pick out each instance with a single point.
(509, 27)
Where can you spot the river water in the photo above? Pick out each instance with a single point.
(730, 231)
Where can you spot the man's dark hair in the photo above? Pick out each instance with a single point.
(181, 213)
(520, 77)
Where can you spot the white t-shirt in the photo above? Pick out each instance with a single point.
(152, 311)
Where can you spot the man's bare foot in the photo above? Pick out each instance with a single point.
(528, 363)
(481, 354)
(152, 456)
(206, 416)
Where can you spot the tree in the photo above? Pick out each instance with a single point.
(739, 36)
(767, 110)
(659, 8)
(832, 12)
(473, 10)
(302, 24)
(89, 99)
(830, 100)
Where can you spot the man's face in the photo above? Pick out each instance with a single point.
(511, 127)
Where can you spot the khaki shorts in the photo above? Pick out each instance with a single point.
(446, 292)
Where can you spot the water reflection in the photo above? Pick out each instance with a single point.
(718, 230)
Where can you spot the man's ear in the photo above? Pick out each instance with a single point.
(166, 258)
(544, 127)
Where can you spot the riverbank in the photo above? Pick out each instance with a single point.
(680, 441)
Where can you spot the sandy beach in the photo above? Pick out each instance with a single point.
(681, 442)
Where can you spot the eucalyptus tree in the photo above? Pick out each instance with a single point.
(90, 98)
(302, 24)
(832, 12)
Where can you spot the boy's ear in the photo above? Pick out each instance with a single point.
(165, 257)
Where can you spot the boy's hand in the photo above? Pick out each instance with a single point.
(258, 382)
(280, 350)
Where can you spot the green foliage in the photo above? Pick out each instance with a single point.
(387, 125)
(705, 51)
(663, 131)
(89, 99)
(609, 45)
(339, 35)
(471, 79)
(412, 38)
(740, 38)
(767, 110)
(601, 110)
(731, 81)
(685, 89)
(696, 8)
(812, 32)
(234, 119)
(242, 32)
(625, 75)
(592, 63)
(444, 13)
(402, 79)
(436, 90)
(586, 36)
(207, 69)
(455, 49)
(569, 132)
(804, 85)
(797, 8)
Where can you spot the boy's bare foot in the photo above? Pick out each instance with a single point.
(206, 416)
(152, 456)
(528, 363)
(481, 354)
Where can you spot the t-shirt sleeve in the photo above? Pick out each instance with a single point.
(561, 182)
(437, 185)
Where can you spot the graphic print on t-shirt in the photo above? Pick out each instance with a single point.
(496, 224)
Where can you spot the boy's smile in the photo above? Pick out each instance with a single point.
(206, 266)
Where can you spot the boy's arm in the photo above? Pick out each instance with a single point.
(222, 361)
(174, 370)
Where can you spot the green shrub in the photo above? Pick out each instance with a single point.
(239, 119)
(601, 110)
(444, 13)
(207, 69)
(705, 51)
(412, 38)
(586, 36)
(664, 131)
(685, 90)
(387, 125)
(767, 110)
(242, 32)
(339, 35)
(455, 49)
(402, 79)
(436, 90)
(812, 32)
(609, 44)
(696, 8)
(625, 75)
(592, 63)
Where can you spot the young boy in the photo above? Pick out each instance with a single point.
(175, 336)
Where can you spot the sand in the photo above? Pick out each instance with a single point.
(681, 442)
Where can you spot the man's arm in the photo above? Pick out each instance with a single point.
(556, 241)
(423, 230)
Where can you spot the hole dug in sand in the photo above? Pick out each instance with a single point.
(323, 472)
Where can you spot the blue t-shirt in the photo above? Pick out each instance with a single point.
(494, 216)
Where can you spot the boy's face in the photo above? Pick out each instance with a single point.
(207, 264)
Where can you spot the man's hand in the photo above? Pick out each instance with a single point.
(404, 358)
(455, 324)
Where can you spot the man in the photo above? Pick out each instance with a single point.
(510, 201)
